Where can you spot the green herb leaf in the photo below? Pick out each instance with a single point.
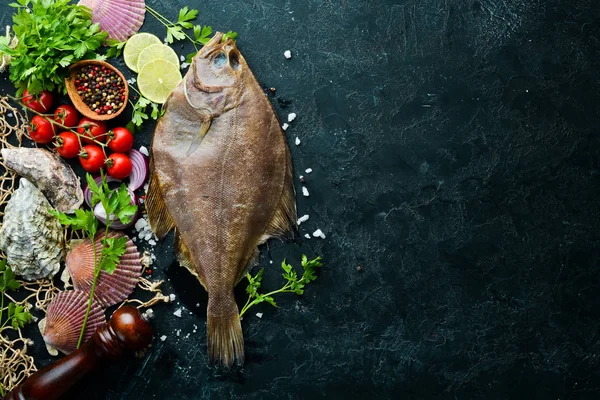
(174, 33)
(112, 250)
(7, 280)
(230, 35)
(187, 15)
(18, 316)
(115, 48)
(124, 210)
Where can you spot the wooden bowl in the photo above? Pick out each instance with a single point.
(78, 102)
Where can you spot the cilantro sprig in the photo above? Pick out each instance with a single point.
(142, 110)
(17, 315)
(176, 31)
(117, 204)
(293, 283)
(52, 35)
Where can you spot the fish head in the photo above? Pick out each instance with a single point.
(219, 66)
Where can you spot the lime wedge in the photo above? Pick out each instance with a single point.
(157, 52)
(135, 45)
(157, 79)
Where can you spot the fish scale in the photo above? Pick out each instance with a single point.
(221, 176)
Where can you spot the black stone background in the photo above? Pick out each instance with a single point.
(455, 146)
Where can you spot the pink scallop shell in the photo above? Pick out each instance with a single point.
(64, 319)
(110, 288)
(120, 18)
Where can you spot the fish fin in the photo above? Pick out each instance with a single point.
(185, 258)
(204, 128)
(224, 331)
(284, 220)
(160, 219)
(253, 262)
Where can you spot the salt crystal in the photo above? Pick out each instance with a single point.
(178, 332)
(151, 242)
(144, 151)
(182, 58)
(307, 236)
(287, 54)
(291, 117)
(197, 304)
(302, 219)
(146, 187)
(301, 177)
(10, 116)
(308, 170)
(305, 191)
(319, 233)
(163, 338)
(139, 224)
(149, 314)
(259, 314)
(172, 297)
(270, 261)
(178, 313)
(285, 126)
(184, 65)
(297, 141)
(148, 236)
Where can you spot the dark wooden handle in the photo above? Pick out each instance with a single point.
(126, 330)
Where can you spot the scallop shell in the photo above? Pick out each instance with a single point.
(110, 288)
(54, 177)
(31, 237)
(120, 18)
(64, 319)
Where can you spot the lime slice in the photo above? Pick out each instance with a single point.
(134, 47)
(157, 79)
(157, 52)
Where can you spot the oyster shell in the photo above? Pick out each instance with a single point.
(31, 237)
(64, 319)
(49, 173)
(110, 288)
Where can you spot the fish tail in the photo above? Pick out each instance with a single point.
(225, 337)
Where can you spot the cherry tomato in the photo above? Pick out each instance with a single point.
(91, 158)
(40, 103)
(90, 129)
(118, 166)
(66, 115)
(120, 140)
(67, 145)
(41, 130)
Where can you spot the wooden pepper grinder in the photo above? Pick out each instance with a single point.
(126, 330)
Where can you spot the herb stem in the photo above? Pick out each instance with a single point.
(1, 306)
(91, 300)
(167, 23)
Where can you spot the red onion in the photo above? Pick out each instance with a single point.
(139, 173)
(100, 213)
(87, 194)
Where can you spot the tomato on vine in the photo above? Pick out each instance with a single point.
(120, 140)
(92, 158)
(66, 115)
(41, 130)
(118, 165)
(91, 130)
(67, 145)
(40, 103)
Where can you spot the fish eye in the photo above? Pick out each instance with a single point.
(220, 60)
(234, 61)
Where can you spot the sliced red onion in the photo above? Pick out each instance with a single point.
(100, 213)
(87, 193)
(139, 173)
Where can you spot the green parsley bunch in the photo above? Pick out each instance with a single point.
(52, 35)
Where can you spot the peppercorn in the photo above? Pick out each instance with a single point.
(106, 84)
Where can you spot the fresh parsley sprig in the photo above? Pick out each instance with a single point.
(117, 204)
(52, 35)
(293, 284)
(176, 30)
(17, 315)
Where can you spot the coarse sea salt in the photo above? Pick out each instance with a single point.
(308, 170)
(163, 338)
(144, 151)
(178, 313)
(305, 191)
(297, 141)
(319, 233)
(291, 117)
(172, 297)
(287, 54)
(302, 219)
(259, 314)
(285, 126)
(306, 235)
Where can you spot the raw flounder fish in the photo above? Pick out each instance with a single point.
(221, 175)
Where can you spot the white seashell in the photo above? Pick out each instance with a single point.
(31, 237)
(49, 173)
(110, 288)
(120, 18)
(64, 320)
